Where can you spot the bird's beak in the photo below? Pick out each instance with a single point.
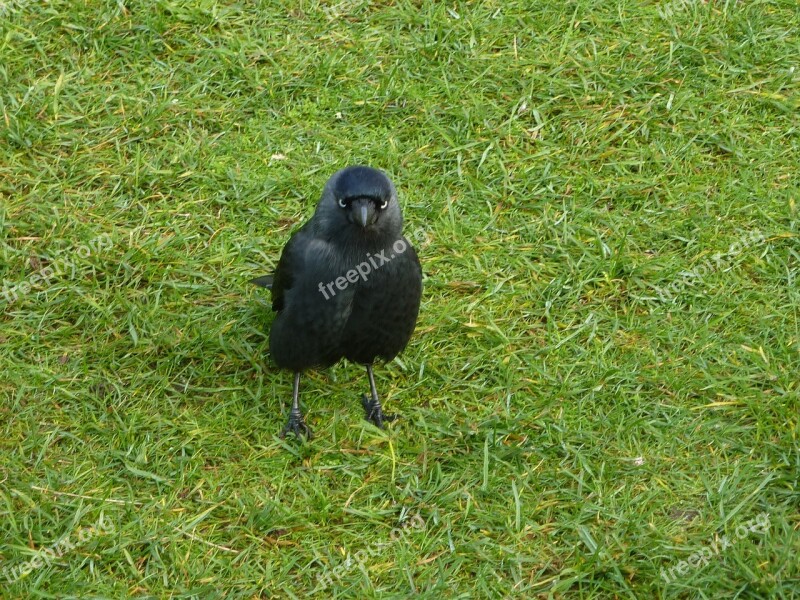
(363, 213)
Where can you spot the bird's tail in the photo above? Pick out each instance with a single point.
(263, 281)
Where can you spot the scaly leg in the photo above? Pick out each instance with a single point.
(373, 407)
(296, 423)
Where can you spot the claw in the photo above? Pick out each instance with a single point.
(374, 412)
(297, 426)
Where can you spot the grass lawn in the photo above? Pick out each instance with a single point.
(601, 397)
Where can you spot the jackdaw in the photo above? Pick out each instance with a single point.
(348, 285)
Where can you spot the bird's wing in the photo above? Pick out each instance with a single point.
(291, 260)
(264, 281)
(307, 330)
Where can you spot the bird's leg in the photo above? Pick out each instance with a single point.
(373, 407)
(296, 423)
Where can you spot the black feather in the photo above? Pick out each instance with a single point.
(264, 281)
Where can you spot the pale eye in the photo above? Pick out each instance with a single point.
(384, 204)
(342, 203)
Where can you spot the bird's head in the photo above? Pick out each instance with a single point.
(360, 202)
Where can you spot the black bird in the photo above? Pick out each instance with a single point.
(348, 285)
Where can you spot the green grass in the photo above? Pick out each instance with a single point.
(600, 385)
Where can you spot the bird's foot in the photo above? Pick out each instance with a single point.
(375, 413)
(297, 426)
